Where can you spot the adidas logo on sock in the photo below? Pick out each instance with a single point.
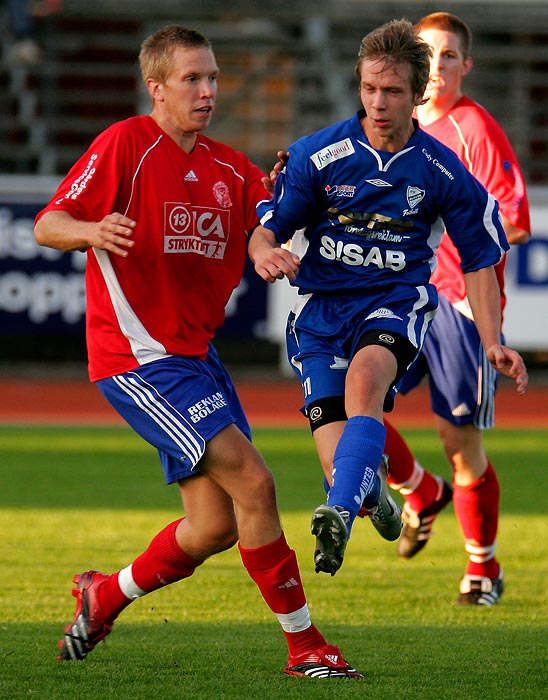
(190, 176)
(289, 584)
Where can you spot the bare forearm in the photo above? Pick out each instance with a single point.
(484, 296)
(59, 230)
(262, 240)
(271, 261)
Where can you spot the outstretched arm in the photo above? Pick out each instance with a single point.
(484, 296)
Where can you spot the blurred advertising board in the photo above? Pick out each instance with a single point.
(42, 290)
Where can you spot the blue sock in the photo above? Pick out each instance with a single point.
(357, 459)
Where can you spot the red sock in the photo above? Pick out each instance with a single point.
(162, 563)
(419, 488)
(274, 569)
(477, 510)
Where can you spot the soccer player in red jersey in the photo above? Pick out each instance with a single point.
(164, 213)
(462, 383)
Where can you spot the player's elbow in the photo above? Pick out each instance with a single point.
(518, 237)
(40, 233)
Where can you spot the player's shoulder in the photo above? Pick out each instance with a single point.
(323, 137)
(474, 118)
(323, 147)
(228, 158)
(137, 124)
(433, 151)
(220, 150)
(131, 131)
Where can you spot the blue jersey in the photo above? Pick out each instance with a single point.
(373, 218)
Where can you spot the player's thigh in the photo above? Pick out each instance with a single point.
(237, 467)
(370, 375)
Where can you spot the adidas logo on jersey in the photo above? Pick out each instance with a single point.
(190, 176)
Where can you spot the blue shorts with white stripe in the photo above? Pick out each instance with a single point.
(177, 404)
(462, 381)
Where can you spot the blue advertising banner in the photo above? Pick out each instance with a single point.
(42, 290)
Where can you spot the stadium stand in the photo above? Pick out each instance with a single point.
(285, 72)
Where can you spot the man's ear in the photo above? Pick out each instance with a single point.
(155, 90)
(468, 64)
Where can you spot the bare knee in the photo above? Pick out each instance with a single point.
(221, 540)
(203, 538)
(257, 486)
(463, 447)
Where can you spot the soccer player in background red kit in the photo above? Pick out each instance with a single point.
(462, 384)
(163, 213)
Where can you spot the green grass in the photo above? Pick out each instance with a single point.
(73, 498)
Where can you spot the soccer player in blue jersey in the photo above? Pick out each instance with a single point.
(365, 203)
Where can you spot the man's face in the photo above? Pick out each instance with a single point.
(447, 66)
(388, 99)
(187, 98)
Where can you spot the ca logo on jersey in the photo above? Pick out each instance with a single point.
(191, 229)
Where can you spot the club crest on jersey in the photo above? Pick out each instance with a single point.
(191, 229)
(329, 154)
(414, 196)
(222, 194)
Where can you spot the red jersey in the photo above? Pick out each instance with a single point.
(193, 211)
(479, 141)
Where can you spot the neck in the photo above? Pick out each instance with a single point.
(391, 143)
(186, 140)
(435, 109)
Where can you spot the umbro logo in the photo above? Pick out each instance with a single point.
(190, 176)
(377, 182)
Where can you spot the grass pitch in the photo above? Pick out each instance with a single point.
(73, 499)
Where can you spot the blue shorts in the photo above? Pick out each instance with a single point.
(177, 404)
(323, 332)
(462, 381)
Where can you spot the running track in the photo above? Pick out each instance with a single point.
(77, 402)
